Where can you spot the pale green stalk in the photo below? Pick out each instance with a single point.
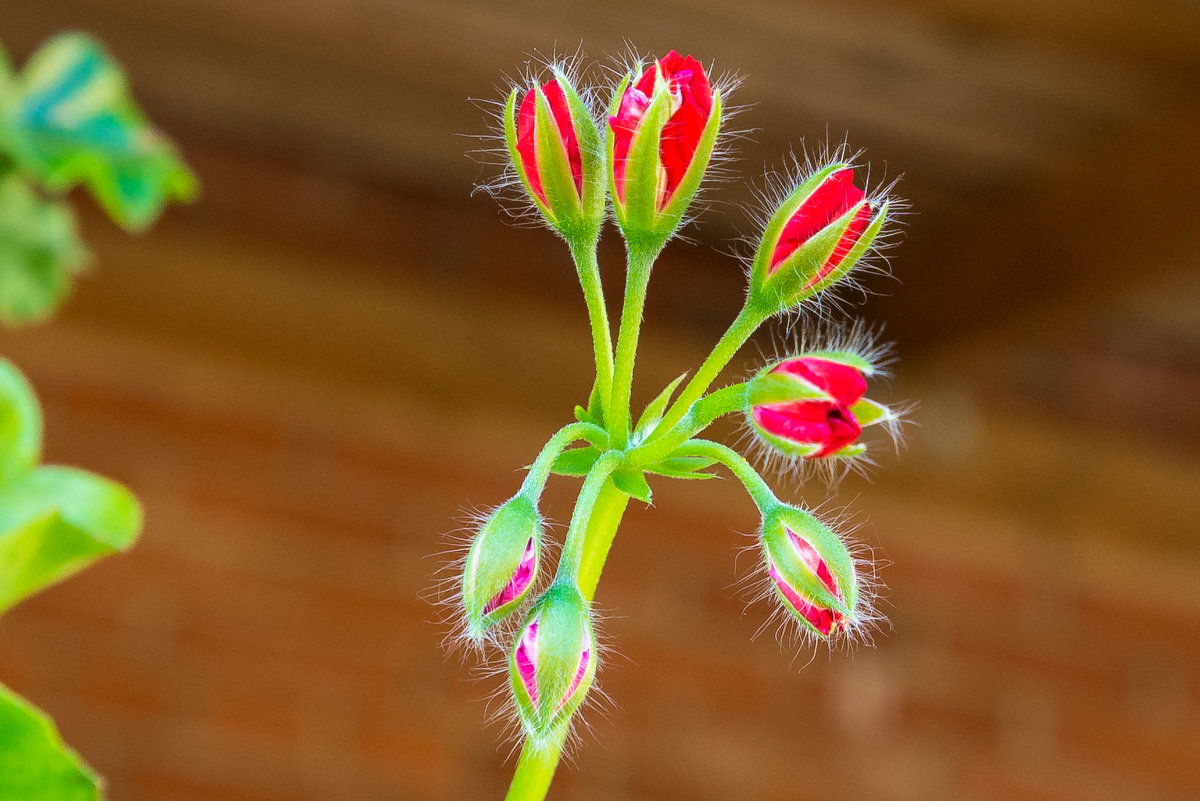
(593, 294)
(641, 259)
(539, 471)
(762, 495)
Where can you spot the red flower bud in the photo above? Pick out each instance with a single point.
(691, 107)
(817, 616)
(526, 136)
(829, 201)
(814, 238)
(812, 406)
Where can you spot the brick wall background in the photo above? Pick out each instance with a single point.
(303, 432)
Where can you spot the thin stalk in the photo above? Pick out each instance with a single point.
(761, 494)
(739, 331)
(577, 533)
(593, 294)
(539, 471)
(637, 279)
(699, 417)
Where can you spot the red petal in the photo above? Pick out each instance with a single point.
(526, 147)
(844, 245)
(829, 201)
(845, 384)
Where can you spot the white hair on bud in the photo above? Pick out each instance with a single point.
(445, 593)
(630, 62)
(776, 185)
(808, 334)
(505, 185)
(754, 587)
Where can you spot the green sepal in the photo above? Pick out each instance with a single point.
(793, 280)
(35, 764)
(779, 387)
(760, 267)
(632, 483)
(591, 152)
(494, 558)
(688, 467)
(514, 156)
(779, 551)
(868, 413)
(54, 521)
(564, 631)
(842, 357)
(70, 119)
(596, 405)
(20, 424)
(853, 255)
(575, 461)
(656, 408)
(851, 451)
(40, 252)
(636, 215)
(554, 167)
(794, 450)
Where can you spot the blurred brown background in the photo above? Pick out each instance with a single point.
(308, 376)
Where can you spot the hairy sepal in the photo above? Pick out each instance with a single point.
(493, 560)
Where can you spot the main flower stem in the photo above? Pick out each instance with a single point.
(536, 767)
(641, 259)
(739, 331)
(586, 265)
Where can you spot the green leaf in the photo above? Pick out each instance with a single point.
(632, 483)
(70, 120)
(40, 252)
(682, 467)
(581, 414)
(575, 461)
(35, 765)
(654, 411)
(54, 521)
(20, 424)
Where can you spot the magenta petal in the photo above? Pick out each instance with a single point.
(519, 583)
(526, 659)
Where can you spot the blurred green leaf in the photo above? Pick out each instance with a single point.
(682, 467)
(35, 765)
(633, 483)
(20, 424)
(69, 119)
(55, 521)
(575, 461)
(40, 252)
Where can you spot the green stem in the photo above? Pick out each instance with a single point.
(702, 413)
(739, 331)
(580, 528)
(539, 471)
(536, 767)
(762, 495)
(637, 279)
(593, 294)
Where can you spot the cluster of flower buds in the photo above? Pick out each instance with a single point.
(641, 161)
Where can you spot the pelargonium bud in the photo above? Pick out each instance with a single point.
(812, 406)
(663, 128)
(555, 148)
(811, 571)
(814, 238)
(501, 565)
(553, 661)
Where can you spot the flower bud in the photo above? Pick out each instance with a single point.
(811, 570)
(555, 147)
(663, 128)
(814, 239)
(553, 661)
(501, 565)
(812, 406)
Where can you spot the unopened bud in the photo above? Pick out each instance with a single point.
(811, 570)
(501, 565)
(812, 406)
(814, 239)
(553, 661)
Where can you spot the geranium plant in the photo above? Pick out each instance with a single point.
(66, 119)
(641, 163)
